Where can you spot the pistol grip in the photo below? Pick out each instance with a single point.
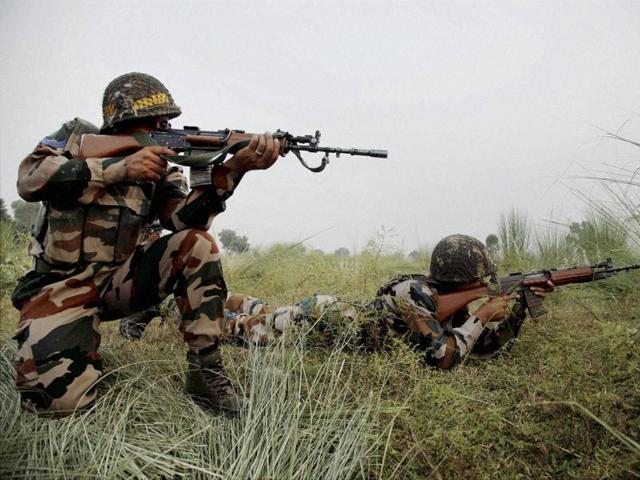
(535, 304)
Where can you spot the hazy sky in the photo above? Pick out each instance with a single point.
(482, 106)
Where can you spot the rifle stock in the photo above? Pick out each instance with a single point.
(450, 303)
(101, 146)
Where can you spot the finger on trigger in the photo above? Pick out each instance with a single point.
(160, 163)
(269, 147)
(261, 144)
(158, 169)
(253, 143)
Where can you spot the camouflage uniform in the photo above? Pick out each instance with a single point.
(404, 308)
(408, 305)
(257, 322)
(90, 265)
(133, 326)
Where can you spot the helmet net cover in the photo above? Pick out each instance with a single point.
(461, 259)
(134, 96)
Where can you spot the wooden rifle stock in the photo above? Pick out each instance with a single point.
(101, 146)
(450, 303)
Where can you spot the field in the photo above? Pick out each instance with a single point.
(564, 402)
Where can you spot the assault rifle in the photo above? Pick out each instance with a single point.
(203, 149)
(449, 303)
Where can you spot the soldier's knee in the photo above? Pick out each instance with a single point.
(200, 243)
(61, 397)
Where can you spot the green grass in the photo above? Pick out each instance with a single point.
(301, 423)
(563, 403)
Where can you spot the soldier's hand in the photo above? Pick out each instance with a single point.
(495, 309)
(146, 165)
(261, 153)
(542, 291)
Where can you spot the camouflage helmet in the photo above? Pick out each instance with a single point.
(461, 259)
(135, 95)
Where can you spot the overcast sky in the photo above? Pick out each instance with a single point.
(482, 106)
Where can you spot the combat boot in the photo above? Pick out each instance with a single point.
(208, 384)
(133, 326)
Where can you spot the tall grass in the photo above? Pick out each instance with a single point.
(514, 233)
(552, 248)
(620, 189)
(283, 274)
(13, 258)
(299, 424)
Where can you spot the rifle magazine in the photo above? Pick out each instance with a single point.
(535, 304)
(200, 177)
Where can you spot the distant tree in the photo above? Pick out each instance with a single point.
(342, 252)
(232, 242)
(493, 244)
(421, 257)
(24, 214)
(4, 213)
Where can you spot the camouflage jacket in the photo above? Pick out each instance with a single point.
(408, 305)
(93, 212)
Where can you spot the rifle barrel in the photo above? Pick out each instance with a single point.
(338, 151)
(626, 268)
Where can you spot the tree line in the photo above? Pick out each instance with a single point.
(24, 213)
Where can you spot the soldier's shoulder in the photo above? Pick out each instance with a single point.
(67, 137)
(391, 286)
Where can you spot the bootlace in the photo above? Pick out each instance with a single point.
(216, 378)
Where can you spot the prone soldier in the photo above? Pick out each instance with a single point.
(90, 265)
(407, 307)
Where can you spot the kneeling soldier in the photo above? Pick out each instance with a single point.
(90, 265)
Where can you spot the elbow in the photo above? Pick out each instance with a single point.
(26, 193)
(447, 364)
(441, 363)
(449, 355)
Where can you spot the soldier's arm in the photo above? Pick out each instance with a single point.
(493, 339)
(504, 334)
(443, 347)
(51, 173)
(200, 206)
(180, 208)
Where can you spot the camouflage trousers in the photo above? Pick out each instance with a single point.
(259, 323)
(58, 364)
